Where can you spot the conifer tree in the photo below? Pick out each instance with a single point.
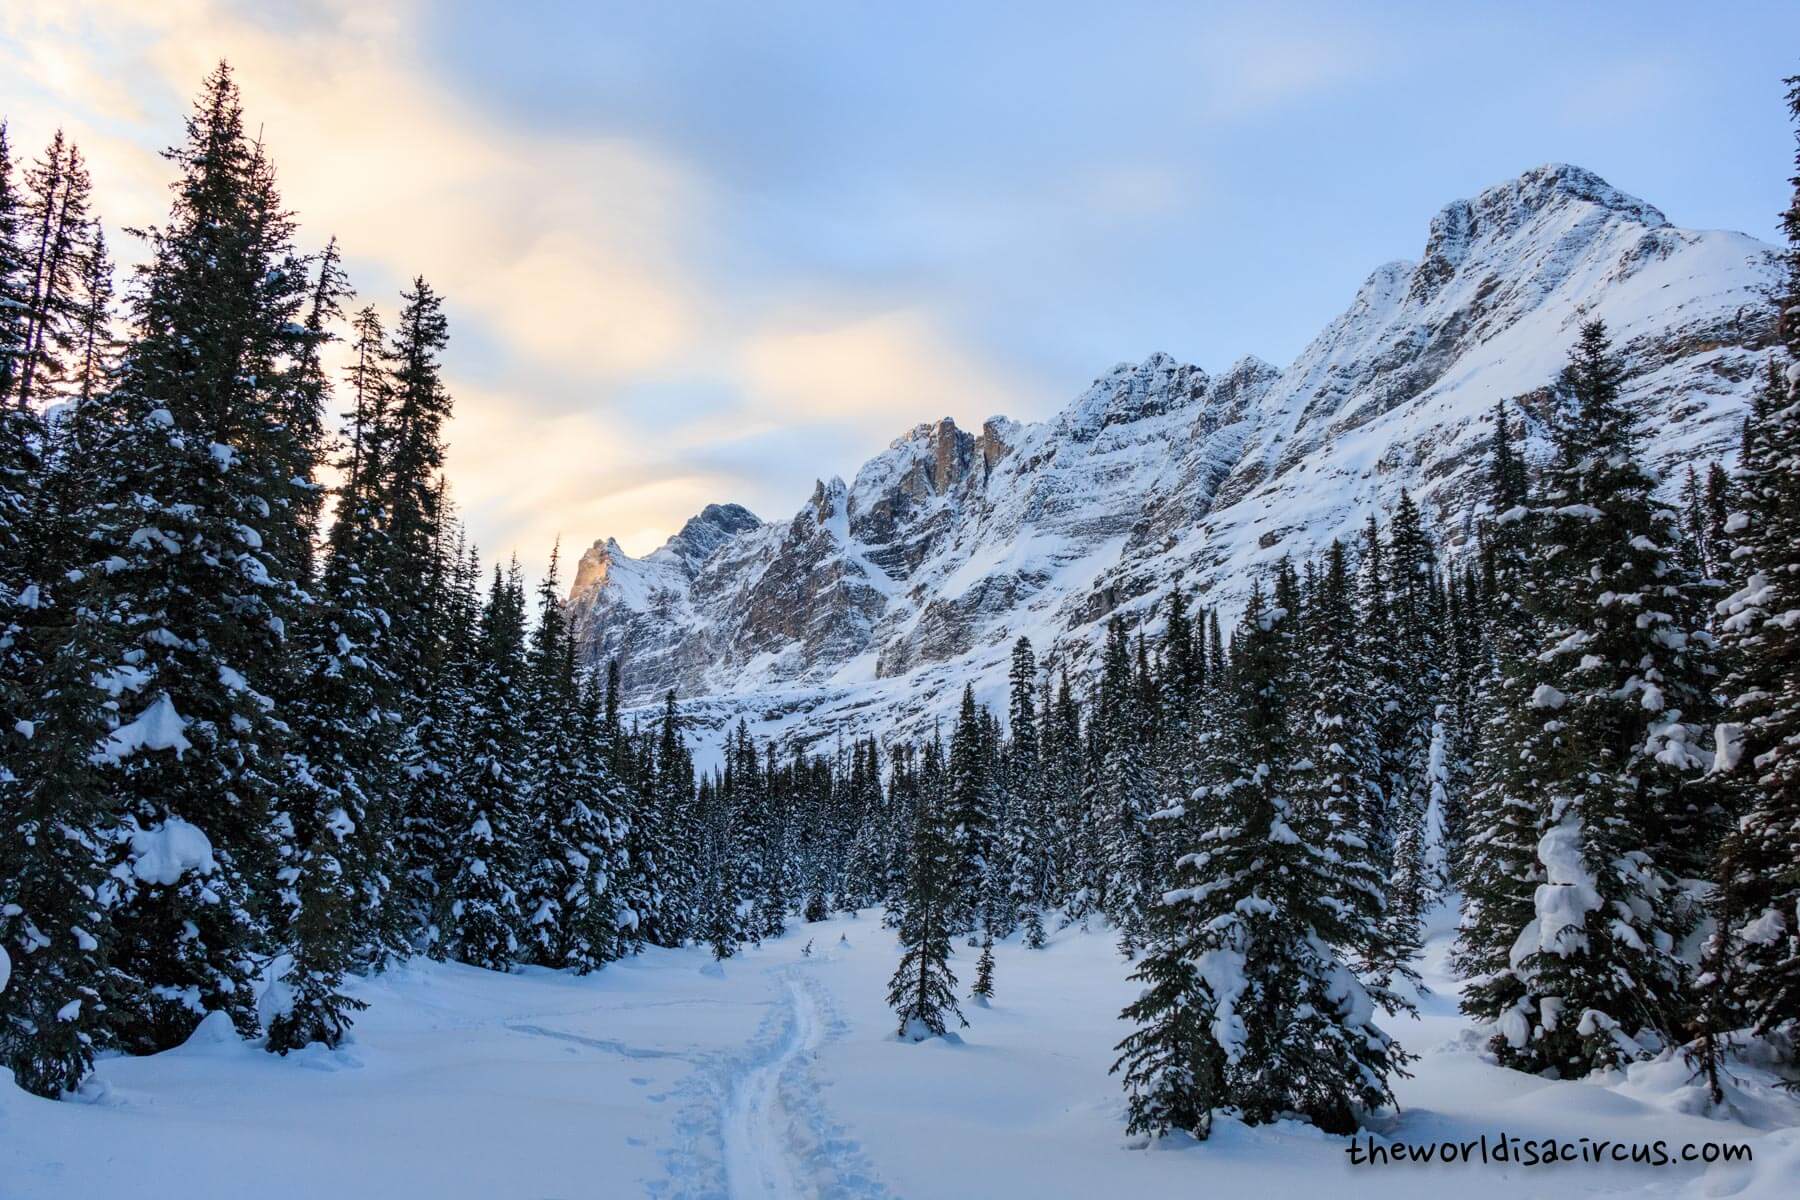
(56, 895)
(484, 922)
(865, 870)
(971, 828)
(1499, 868)
(1617, 690)
(1759, 736)
(56, 231)
(1063, 781)
(982, 991)
(1386, 681)
(1246, 1002)
(923, 990)
(341, 808)
(667, 835)
(178, 558)
(1030, 826)
(1124, 790)
(1336, 777)
(556, 816)
(1417, 740)
(437, 708)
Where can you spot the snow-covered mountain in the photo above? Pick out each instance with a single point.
(869, 608)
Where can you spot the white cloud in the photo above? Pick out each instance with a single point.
(562, 256)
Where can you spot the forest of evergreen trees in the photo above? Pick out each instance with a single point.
(261, 732)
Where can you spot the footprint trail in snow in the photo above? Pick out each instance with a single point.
(759, 1162)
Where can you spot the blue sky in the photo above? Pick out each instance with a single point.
(711, 251)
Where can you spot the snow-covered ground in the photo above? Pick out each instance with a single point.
(778, 1075)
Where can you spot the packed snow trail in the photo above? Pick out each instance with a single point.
(759, 1164)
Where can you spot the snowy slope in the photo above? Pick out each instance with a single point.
(780, 1076)
(868, 609)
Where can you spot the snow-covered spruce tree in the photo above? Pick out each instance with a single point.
(1498, 866)
(1759, 738)
(343, 764)
(640, 889)
(178, 556)
(865, 868)
(982, 990)
(1467, 655)
(1337, 769)
(1247, 1002)
(553, 862)
(1718, 538)
(1180, 683)
(434, 584)
(923, 990)
(598, 920)
(59, 831)
(1618, 686)
(902, 807)
(1065, 765)
(1417, 777)
(1382, 655)
(669, 838)
(716, 923)
(999, 911)
(752, 843)
(1030, 826)
(971, 822)
(1125, 790)
(438, 707)
(59, 836)
(483, 921)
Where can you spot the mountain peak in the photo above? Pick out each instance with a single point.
(707, 530)
(1133, 391)
(1498, 211)
(1505, 206)
(1543, 185)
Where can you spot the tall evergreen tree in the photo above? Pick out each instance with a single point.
(1759, 738)
(1336, 777)
(178, 559)
(1616, 692)
(57, 230)
(923, 990)
(1499, 867)
(56, 894)
(1246, 1002)
(483, 921)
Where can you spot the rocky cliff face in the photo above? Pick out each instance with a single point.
(869, 608)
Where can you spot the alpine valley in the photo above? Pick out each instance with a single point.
(867, 610)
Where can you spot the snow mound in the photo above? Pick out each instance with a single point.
(170, 850)
(158, 727)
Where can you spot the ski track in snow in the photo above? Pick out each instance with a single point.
(606, 1044)
(759, 1161)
